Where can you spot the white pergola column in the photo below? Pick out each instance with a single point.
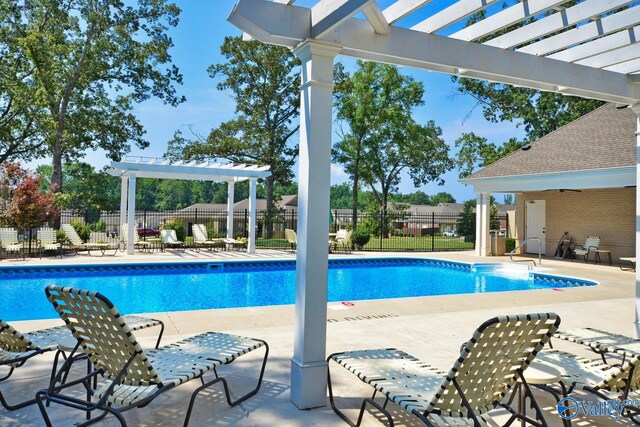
(124, 183)
(308, 365)
(482, 224)
(252, 216)
(131, 214)
(230, 195)
(636, 110)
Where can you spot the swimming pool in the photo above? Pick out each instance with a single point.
(144, 288)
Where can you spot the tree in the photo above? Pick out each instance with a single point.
(442, 197)
(263, 82)
(86, 190)
(20, 118)
(475, 151)
(384, 140)
(508, 199)
(11, 177)
(92, 60)
(467, 221)
(29, 207)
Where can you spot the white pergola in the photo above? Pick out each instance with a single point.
(131, 168)
(590, 49)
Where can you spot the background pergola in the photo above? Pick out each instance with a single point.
(590, 49)
(131, 168)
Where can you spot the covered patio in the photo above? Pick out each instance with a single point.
(588, 49)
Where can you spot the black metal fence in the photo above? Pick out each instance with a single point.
(395, 231)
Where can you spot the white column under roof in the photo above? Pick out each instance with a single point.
(308, 365)
(124, 183)
(251, 248)
(636, 109)
(230, 195)
(131, 214)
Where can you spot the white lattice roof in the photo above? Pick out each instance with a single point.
(207, 170)
(588, 49)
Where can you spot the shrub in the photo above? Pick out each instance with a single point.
(178, 227)
(83, 230)
(101, 225)
(360, 237)
(510, 244)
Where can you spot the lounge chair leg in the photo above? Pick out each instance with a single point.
(227, 393)
(43, 410)
(10, 407)
(161, 332)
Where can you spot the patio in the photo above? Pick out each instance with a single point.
(412, 324)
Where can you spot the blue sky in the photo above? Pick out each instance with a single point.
(197, 39)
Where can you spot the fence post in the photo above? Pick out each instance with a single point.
(433, 231)
(195, 220)
(245, 224)
(507, 224)
(381, 228)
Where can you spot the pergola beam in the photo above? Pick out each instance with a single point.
(556, 22)
(452, 14)
(505, 18)
(436, 53)
(598, 46)
(328, 14)
(613, 57)
(402, 8)
(376, 19)
(600, 27)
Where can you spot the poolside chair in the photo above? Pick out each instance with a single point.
(590, 246)
(200, 238)
(48, 241)
(343, 240)
(170, 240)
(233, 243)
(74, 240)
(620, 381)
(17, 348)
(489, 365)
(292, 238)
(133, 377)
(9, 241)
(137, 243)
(631, 261)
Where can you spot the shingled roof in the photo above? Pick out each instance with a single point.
(604, 138)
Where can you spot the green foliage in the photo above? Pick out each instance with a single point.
(89, 63)
(508, 199)
(422, 198)
(360, 237)
(29, 207)
(101, 225)
(383, 140)
(264, 81)
(467, 221)
(510, 244)
(176, 225)
(83, 229)
(494, 220)
(476, 152)
(60, 236)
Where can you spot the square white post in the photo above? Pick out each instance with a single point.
(131, 214)
(308, 365)
(482, 224)
(230, 195)
(636, 110)
(252, 216)
(124, 183)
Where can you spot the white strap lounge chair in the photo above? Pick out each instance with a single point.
(602, 342)
(200, 238)
(292, 238)
(17, 348)
(233, 243)
(342, 241)
(590, 246)
(75, 242)
(608, 382)
(134, 377)
(137, 243)
(48, 241)
(489, 365)
(9, 241)
(170, 240)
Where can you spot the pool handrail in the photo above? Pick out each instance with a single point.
(524, 242)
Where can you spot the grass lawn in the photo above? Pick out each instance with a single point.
(440, 243)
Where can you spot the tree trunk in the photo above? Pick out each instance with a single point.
(383, 226)
(271, 209)
(354, 212)
(56, 173)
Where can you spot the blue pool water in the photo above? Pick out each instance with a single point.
(192, 286)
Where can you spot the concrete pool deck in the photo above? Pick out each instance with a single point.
(431, 328)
